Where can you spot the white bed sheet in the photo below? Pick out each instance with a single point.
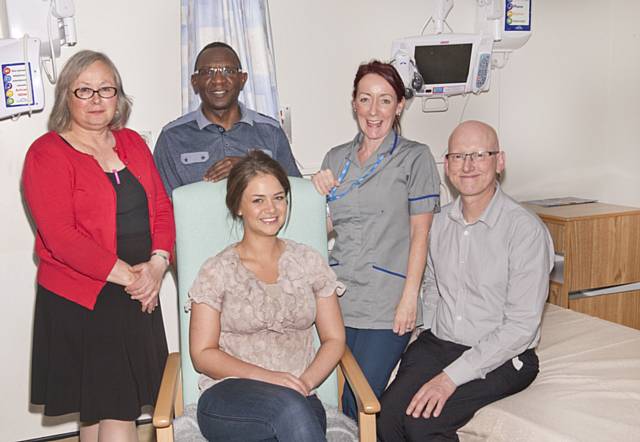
(588, 388)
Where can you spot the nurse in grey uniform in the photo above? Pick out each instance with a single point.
(382, 191)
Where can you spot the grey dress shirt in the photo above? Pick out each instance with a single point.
(486, 284)
(372, 224)
(188, 146)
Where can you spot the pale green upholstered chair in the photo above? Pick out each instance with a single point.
(204, 228)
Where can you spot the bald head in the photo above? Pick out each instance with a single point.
(472, 165)
(474, 133)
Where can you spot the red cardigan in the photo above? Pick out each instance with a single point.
(73, 205)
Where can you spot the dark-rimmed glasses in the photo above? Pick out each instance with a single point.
(86, 93)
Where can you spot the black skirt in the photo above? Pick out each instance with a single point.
(106, 363)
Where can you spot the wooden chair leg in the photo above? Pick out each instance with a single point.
(169, 403)
(367, 424)
(164, 434)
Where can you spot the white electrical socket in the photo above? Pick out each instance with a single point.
(285, 121)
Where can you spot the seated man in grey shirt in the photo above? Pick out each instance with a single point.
(206, 143)
(485, 287)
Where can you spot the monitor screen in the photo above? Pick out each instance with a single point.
(443, 64)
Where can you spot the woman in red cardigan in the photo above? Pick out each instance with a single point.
(105, 234)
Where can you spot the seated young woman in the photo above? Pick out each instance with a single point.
(252, 310)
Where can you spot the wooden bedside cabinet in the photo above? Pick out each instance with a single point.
(601, 248)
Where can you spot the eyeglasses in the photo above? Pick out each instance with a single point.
(227, 72)
(85, 93)
(476, 157)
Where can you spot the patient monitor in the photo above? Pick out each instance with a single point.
(442, 65)
(437, 66)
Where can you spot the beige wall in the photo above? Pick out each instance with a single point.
(621, 176)
(562, 108)
(566, 107)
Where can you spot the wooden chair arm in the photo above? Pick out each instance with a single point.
(169, 403)
(365, 398)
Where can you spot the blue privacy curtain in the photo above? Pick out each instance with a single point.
(243, 24)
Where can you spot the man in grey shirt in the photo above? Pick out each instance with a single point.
(484, 291)
(206, 143)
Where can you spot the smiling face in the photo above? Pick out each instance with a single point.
(218, 93)
(376, 106)
(95, 113)
(474, 179)
(263, 206)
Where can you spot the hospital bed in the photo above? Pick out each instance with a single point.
(588, 388)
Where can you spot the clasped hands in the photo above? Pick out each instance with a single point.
(145, 286)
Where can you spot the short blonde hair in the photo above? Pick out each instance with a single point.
(60, 118)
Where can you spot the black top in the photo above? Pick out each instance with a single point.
(132, 213)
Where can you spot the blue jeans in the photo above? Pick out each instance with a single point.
(247, 410)
(377, 353)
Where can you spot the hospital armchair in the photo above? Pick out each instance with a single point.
(203, 229)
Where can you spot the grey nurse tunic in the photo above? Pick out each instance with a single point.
(371, 222)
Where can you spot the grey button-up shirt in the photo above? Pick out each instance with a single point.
(188, 146)
(486, 283)
(372, 225)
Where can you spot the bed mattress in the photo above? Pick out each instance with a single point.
(588, 388)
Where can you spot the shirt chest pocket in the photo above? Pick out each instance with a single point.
(385, 192)
(194, 158)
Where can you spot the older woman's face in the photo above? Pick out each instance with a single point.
(376, 106)
(96, 112)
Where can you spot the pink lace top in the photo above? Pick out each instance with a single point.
(268, 325)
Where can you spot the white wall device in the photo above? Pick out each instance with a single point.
(21, 77)
(37, 29)
(507, 21)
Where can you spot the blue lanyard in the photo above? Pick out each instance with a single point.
(334, 195)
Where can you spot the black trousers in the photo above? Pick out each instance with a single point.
(423, 360)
